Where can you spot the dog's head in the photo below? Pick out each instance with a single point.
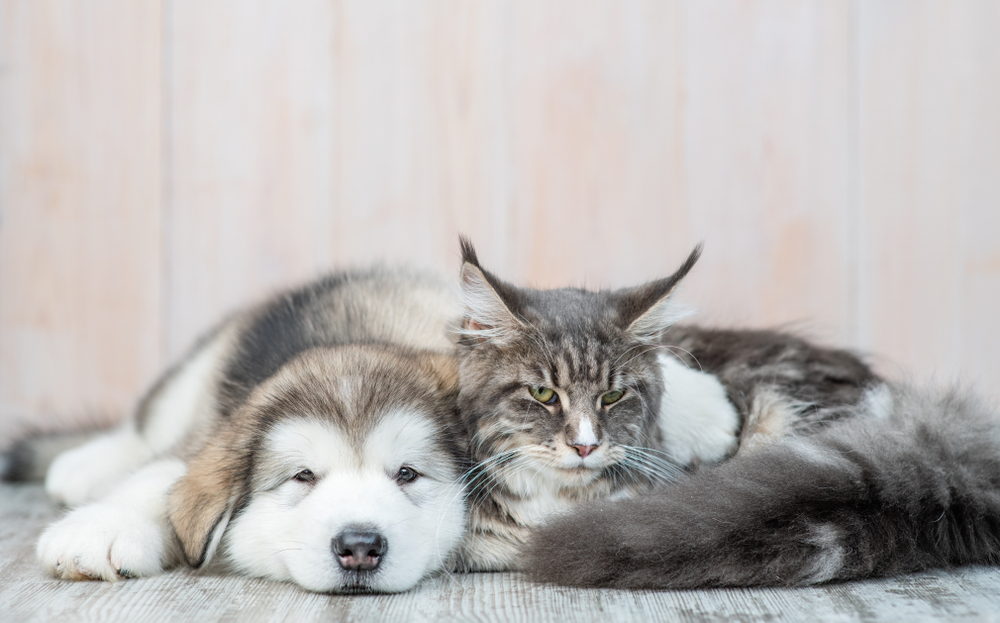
(339, 473)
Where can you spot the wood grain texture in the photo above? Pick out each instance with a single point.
(249, 113)
(768, 129)
(422, 134)
(598, 155)
(80, 322)
(839, 159)
(971, 594)
(930, 168)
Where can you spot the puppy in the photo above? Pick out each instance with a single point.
(313, 438)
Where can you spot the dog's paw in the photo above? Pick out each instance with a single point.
(86, 473)
(105, 542)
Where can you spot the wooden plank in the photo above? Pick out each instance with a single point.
(978, 193)
(587, 143)
(769, 162)
(960, 594)
(930, 123)
(80, 197)
(422, 137)
(598, 106)
(250, 115)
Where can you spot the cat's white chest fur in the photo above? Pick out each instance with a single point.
(541, 492)
(698, 421)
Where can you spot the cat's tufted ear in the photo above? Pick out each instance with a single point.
(202, 502)
(488, 302)
(649, 310)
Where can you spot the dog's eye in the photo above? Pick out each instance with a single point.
(305, 476)
(405, 475)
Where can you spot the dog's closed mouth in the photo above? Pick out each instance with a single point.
(360, 586)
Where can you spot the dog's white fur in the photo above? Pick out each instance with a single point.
(119, 528)
(285, 532)
(124, 534)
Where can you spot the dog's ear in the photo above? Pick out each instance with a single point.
(444, 368)
(202, 502)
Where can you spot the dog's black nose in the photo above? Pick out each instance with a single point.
(358, 549)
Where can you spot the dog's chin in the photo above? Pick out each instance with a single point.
(363, 583)
(346, 586)
(370, 584)
(356, 589)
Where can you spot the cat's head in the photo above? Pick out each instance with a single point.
(562, 383)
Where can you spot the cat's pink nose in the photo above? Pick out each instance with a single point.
(583, 451)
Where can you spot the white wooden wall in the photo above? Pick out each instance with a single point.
(164, 161)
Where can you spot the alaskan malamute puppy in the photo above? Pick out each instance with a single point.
(313, 438)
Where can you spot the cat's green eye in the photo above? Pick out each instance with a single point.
(544, 395)
(612, 397)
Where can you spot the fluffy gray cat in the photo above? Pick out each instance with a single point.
(618, 448)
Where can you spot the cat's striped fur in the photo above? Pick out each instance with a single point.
(732, 458)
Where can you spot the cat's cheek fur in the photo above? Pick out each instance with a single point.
(698, 421)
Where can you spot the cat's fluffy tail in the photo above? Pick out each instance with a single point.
(912, 482)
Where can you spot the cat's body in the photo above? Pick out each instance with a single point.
(910, 481)
(618, 448)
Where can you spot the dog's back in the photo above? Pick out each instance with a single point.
(380, 305)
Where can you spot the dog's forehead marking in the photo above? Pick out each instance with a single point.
(399, 436)
(310, 443)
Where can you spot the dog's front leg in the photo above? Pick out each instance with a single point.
(124, 534)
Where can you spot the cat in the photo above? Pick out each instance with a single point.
(618, 448)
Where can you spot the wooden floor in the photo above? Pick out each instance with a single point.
(26, 594)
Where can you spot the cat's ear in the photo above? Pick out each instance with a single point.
(488, 301)
(649, 310)
(202, 502)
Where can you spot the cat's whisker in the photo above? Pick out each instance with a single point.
(493, 460)
(485, 468)
(474, 482)
(651, 348)
(627, 351)
(500, 464)
(663, 474)
(623, 471)
(635, 389)
(648, 460)
(481, 496)
(656, 475)
(670, 348)
(654, 455)
(666, 456)
(642, 473)
(488, 433)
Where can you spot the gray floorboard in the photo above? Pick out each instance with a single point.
(26, 594)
